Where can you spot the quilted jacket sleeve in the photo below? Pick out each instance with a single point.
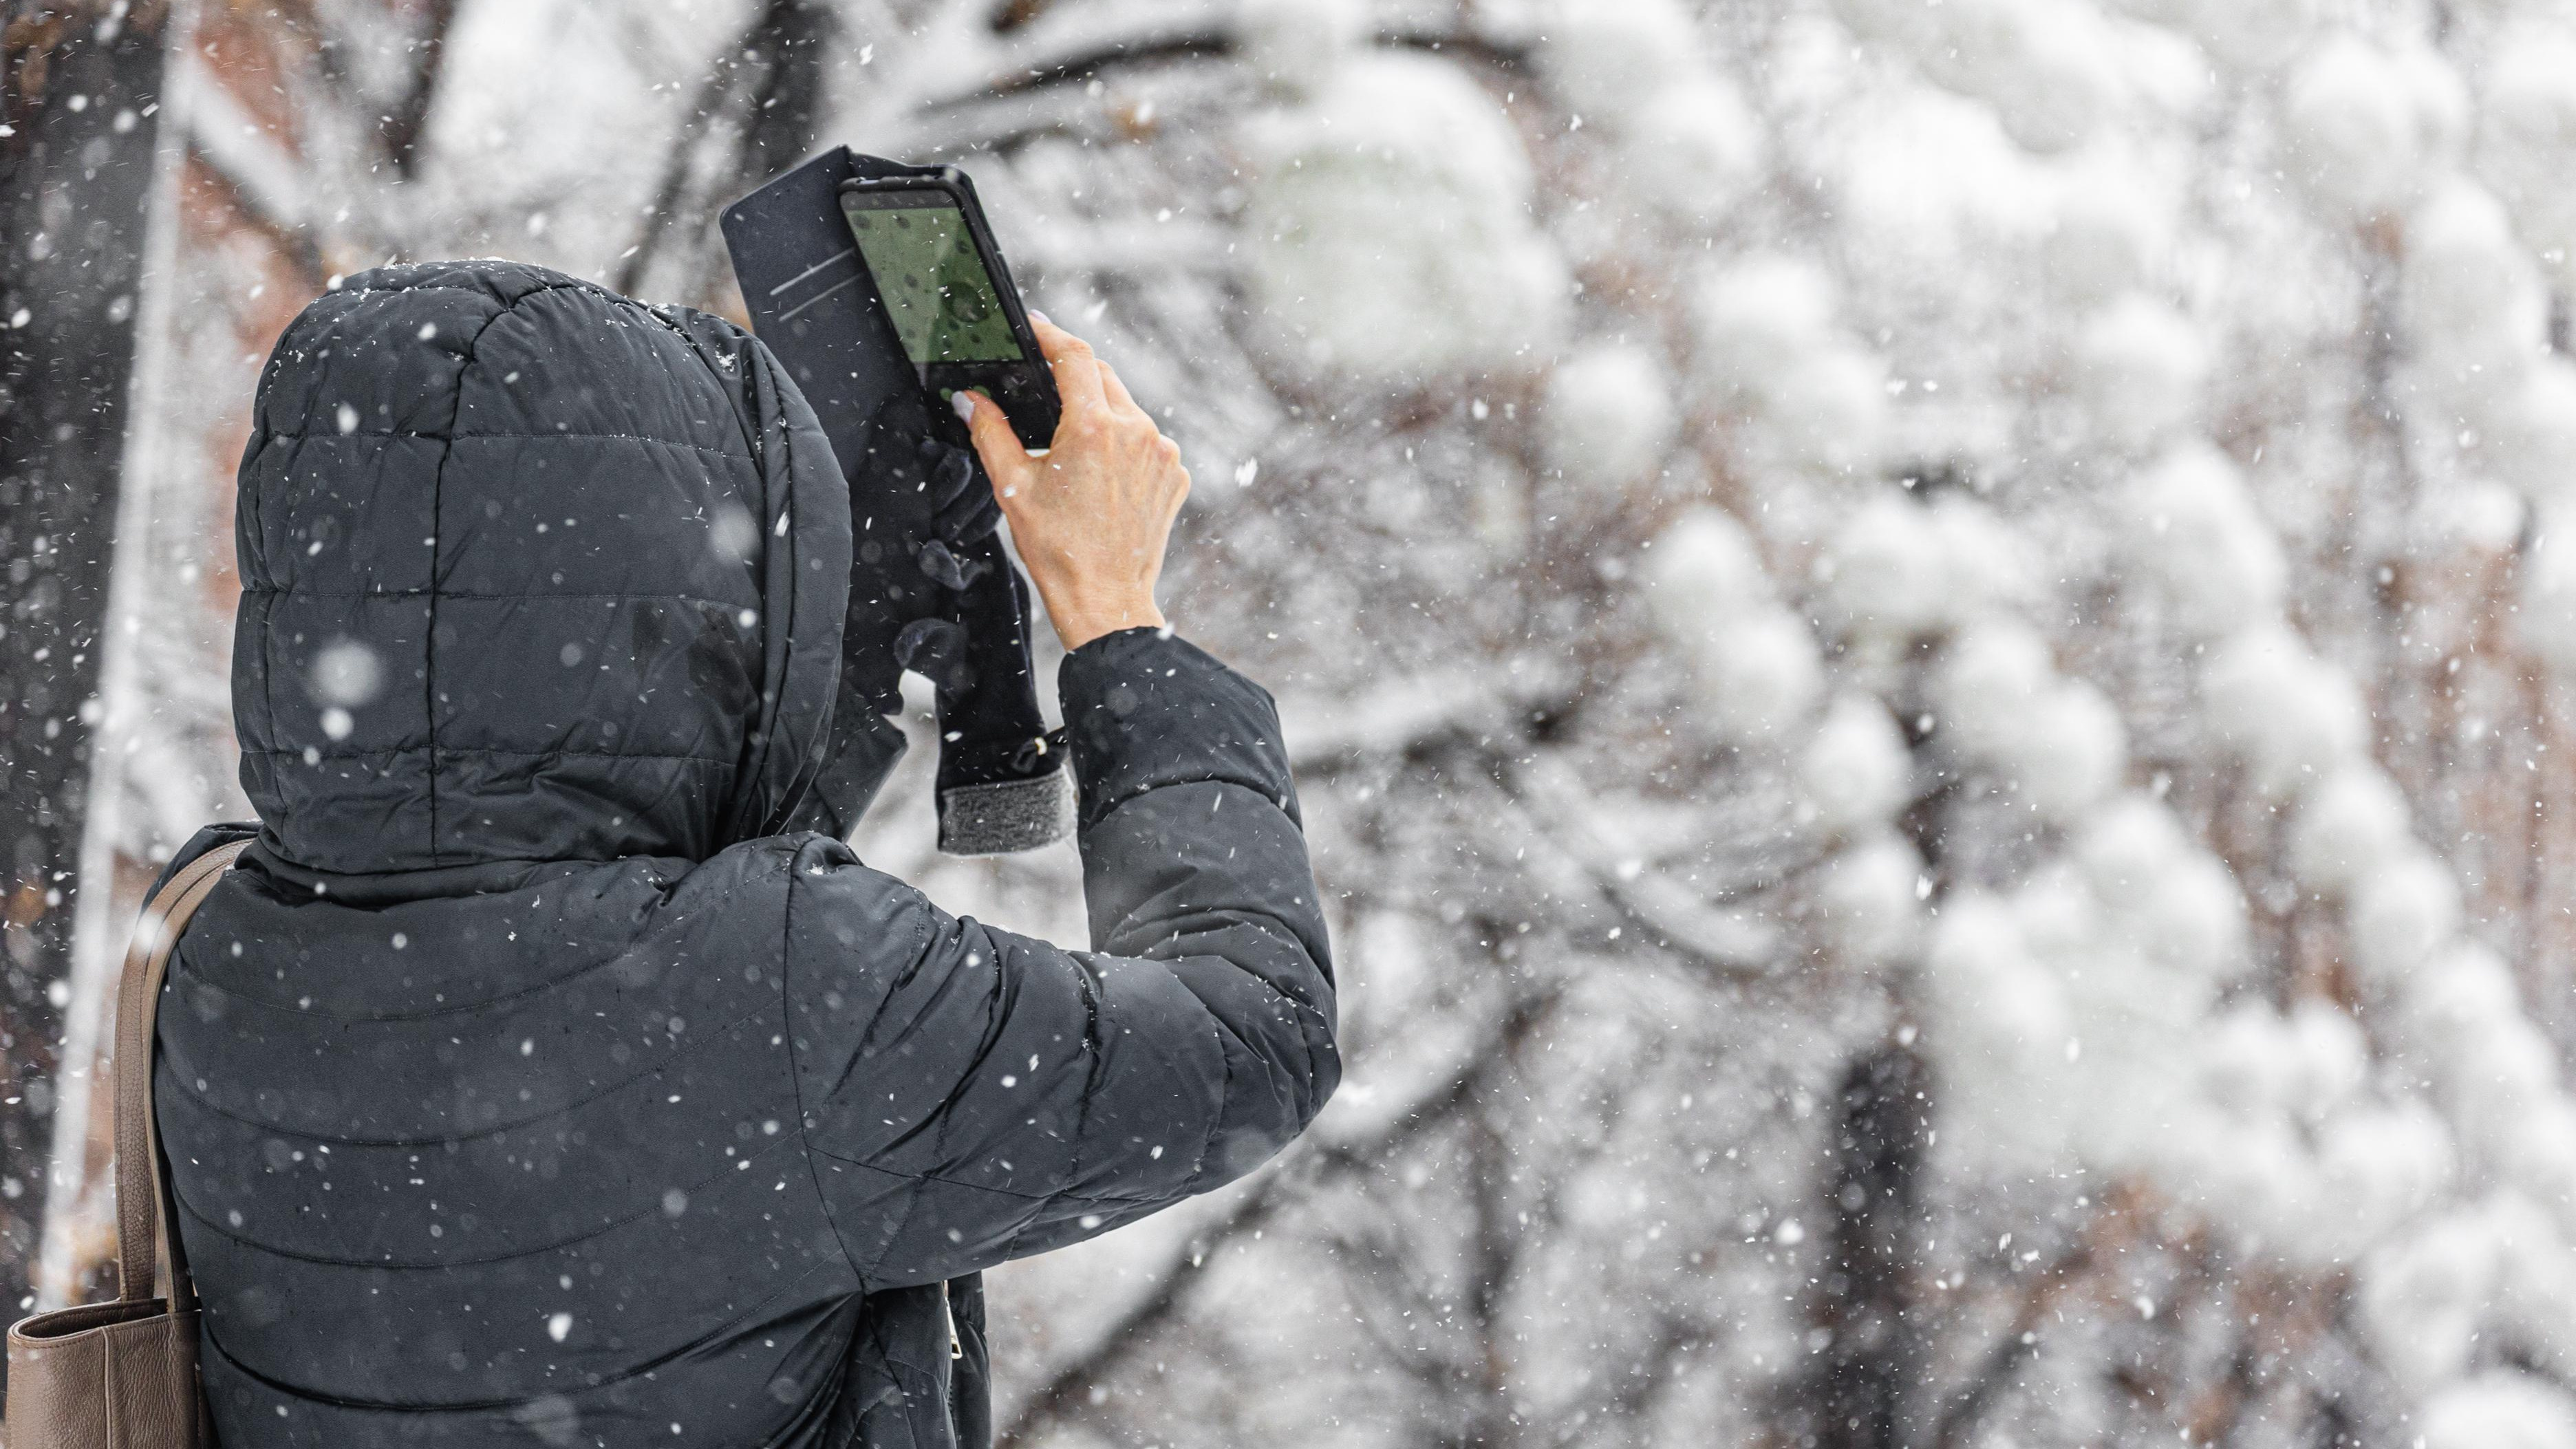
(971, 1095)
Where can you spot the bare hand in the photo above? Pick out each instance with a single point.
(1092, 516)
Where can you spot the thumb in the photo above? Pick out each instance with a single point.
(1005, 461)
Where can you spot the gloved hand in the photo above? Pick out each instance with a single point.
(935, 592)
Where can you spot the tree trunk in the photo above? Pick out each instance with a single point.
(1862, 1388)
(76, 170)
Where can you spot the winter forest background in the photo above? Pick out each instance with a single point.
(1931, 646)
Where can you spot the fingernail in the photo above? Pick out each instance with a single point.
(1037, 316)
(964, 404)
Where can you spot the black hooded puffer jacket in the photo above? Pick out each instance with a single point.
(531, 1081)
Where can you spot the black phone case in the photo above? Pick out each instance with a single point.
(927, 591)
(812, 300)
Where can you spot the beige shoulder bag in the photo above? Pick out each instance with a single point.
(123, 1375)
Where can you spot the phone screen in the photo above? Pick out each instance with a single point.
(936, 290)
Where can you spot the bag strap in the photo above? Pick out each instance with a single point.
(146, 1215)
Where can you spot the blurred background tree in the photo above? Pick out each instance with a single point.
(1927, 646)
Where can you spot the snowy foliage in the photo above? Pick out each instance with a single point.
(2025, 538)
(1390, 231)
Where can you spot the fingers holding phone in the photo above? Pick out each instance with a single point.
(1093, 514)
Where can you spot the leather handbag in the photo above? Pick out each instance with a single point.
(123, 1374)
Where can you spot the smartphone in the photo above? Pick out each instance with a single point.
(949, 296)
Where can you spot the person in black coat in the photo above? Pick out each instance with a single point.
(541, 1076)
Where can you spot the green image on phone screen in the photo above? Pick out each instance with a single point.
(933, 283)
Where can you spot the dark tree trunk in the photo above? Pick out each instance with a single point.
(1862, 1392)
(83, 82)
(763, 101)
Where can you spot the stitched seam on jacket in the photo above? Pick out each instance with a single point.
(298, 592)
(942, 1180)
(532, 989)
(403, 1265)
(507, 754)
(423, 434)
(796, 1069)
(441, 1140)
(874, 1272)
(470, 1406)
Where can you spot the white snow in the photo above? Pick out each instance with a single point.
(2499, 1409)
(2547, 619)
(2289, 715)
(2366, 129)
(1753, 316)
(1855, 772)
(1389, 231)
(1887, 574)
(1608, 417)
(2104, 235)
(2401, 914)
(1866, 900)
(2527, 432)
(2200, 541)
(2424, 1293)
(2138, 369)
(1607, 62)
(2527, 131)
(1759, 676)
(2350, 825)
(1703, 572)
(1296, 45)
(1694, 151)
(2475, 311)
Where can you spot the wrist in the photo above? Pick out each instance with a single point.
(1079, 624)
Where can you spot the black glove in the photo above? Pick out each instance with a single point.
(936, 592)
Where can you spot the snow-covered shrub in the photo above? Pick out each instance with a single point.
(2245, 1063)
(1827, 409)
(1605, 62)
(1693, 151)
(1997, 1030)
(2289, 715)
(1608, 417)
(1754, 665)
(1989, 680)
(2474, 307)
(1754, 316)
(2498, 1410)
(1389, 233)
(2046, 66)
(2347, 827)
(2250, 35)
(2199, 539)
(2424, 1293)
(2547, 619)
(1990, 564)
(1887, 574)
(1855, 772)
(2104, 236)
(1295, 45)
(1759, 676)
(2072, 752)
(2377, 1166)
(1866, 902)
(2401, 915)
(2527, 133)
(2527, 432)
(2366, 128)
(2324, 1061)
(2190, 918)
(2139, 366)
(1703, 571)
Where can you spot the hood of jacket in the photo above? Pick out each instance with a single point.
(530, 572)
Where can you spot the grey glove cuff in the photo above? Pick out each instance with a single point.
(1006, 816)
